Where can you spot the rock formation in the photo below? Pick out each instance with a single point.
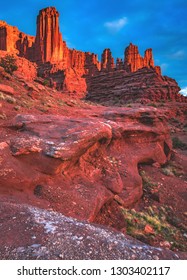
(133, 60)
(80, 72)
(144, 85)
(79, 159)
(81, 163)
(26, 69)
(12, 40)
(107, 61)
(48, 43)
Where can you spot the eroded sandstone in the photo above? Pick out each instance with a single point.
(82, 163)
(81, 73)
(143, 85)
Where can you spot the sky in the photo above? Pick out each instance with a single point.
(94, 25)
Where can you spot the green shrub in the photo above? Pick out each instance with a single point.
(148, 184)
(46, 83)
(153, 105)
(178, 144)
(9, 64)
(165, 225)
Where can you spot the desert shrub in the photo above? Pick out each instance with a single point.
(162, 223)
(178, 144)
(153, 105)
(174, 120)
(9, 64)
(148, 184)
(17, 108)
(46, 83)
(7, 98)
(10, 100)
(3, 116)
(168, 171)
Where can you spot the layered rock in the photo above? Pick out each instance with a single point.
(78, 164)
(121, 87)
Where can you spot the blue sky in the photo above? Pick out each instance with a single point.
(94, 25)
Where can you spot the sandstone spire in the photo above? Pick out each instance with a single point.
(133, 61)
(107, 62)
(48, 44)
(148, 58)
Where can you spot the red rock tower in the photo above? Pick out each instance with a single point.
(148, 58)
(133, 61)
(107, 62)
(48, 44)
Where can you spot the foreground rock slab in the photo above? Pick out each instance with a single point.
(77, 164)
(32, 233)
(80, 164)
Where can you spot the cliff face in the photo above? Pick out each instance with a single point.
(68, 67)
(26, 70)
(144, 85)
(75, 71)
(12, 40)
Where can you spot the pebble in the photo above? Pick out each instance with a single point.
(133, 257)
(61, 256)
(35, 245)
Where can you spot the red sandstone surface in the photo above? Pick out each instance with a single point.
(82, 159)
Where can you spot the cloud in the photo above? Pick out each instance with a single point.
(178, 55)
(116, 25)
(184, 91)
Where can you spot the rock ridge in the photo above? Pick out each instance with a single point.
(74, 71)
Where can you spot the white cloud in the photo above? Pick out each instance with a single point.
(178, 55)
(184, 91)
(116, 25)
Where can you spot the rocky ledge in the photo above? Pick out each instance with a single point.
(76, 165)
(144, 85)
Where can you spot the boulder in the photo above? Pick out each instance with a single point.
(80, 163)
